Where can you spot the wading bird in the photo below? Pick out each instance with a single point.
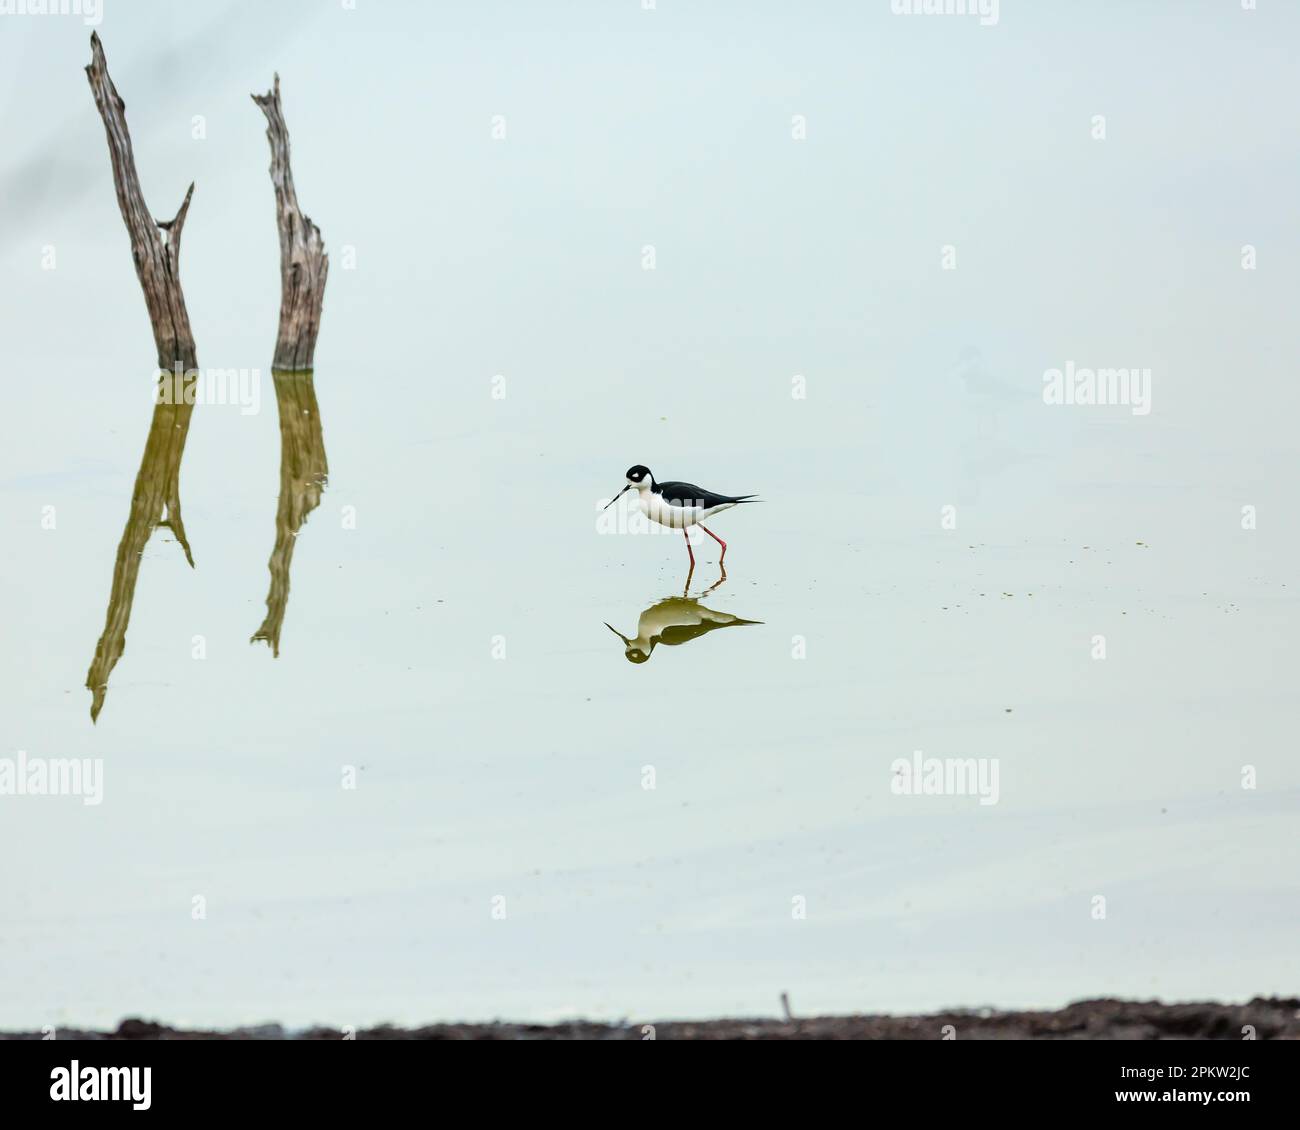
(678, 505)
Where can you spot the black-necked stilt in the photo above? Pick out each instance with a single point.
(678, 505)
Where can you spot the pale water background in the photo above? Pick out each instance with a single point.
(475, 517)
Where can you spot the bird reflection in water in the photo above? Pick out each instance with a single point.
(676, 620)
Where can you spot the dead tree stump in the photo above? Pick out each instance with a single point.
(303, 262)
(303, 467)
(155, 501)
(155, 245)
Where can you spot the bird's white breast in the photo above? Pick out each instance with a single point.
(658, 509)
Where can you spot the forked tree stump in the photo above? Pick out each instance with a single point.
(155, 501)
(155, 244)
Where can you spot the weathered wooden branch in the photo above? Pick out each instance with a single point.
(303, 467)
(303, 262)
(155, 245)
(155, 501)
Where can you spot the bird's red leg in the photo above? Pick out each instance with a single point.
(688, 547)
(718, 540)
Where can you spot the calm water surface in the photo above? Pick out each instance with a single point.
(452, 617)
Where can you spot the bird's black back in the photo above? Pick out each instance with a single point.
(686, 494)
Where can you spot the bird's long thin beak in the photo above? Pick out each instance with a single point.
(618, 633)
(617, 497)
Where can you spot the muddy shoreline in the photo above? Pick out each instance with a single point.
(1270, 1018)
